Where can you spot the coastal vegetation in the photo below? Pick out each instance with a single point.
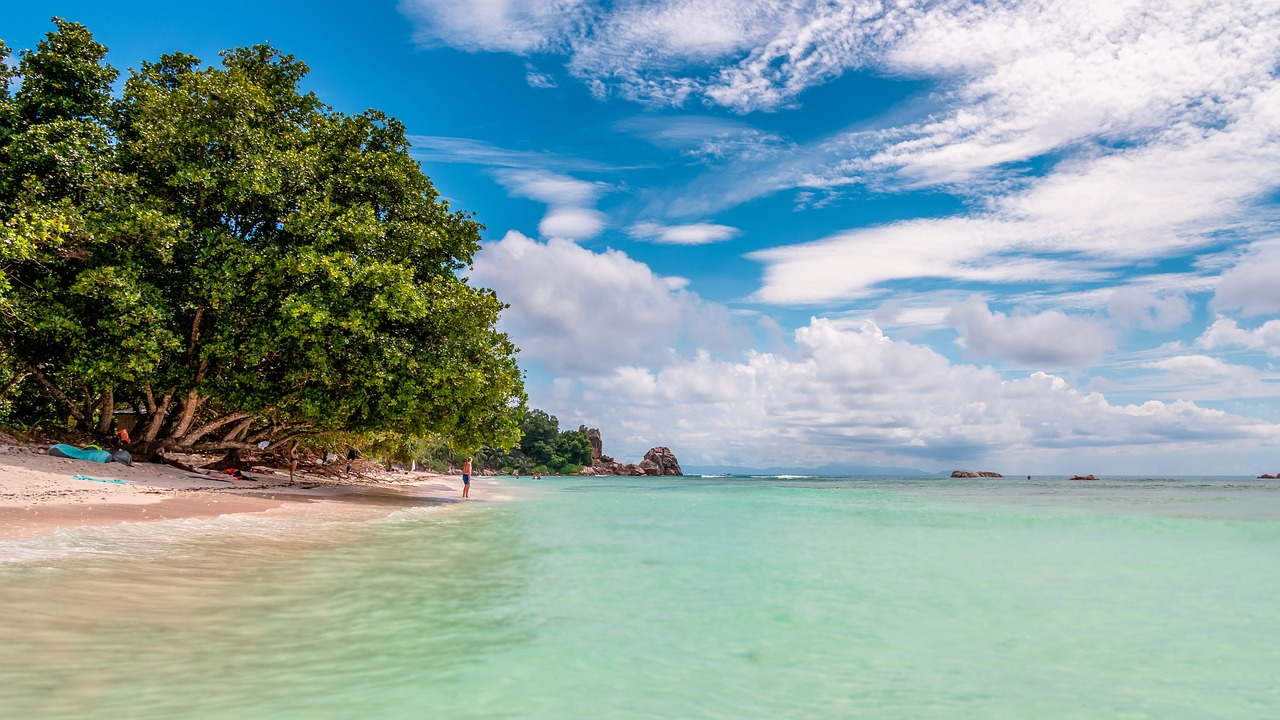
(543, 448)
(219, 252)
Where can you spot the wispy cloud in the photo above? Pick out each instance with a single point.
(707, 138)
(495, 25)
(692, 234)
(435, 148)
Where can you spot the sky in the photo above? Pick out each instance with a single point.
(1031, 237)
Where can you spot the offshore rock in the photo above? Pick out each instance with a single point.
(661, 461)
(658, 461)
(967, 474)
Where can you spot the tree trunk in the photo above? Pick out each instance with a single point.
(190, 404)
(108, 411)
(157, 416)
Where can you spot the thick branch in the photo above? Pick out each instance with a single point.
(239, 430)
(195, 333)
(13, 382)
(191, 437)
(57, 394)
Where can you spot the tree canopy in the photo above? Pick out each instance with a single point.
(234, 259)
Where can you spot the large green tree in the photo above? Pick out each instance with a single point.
(235, 258)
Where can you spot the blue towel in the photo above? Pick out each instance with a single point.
(113, 482)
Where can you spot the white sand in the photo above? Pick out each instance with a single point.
(40, 495)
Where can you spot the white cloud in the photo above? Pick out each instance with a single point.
(496, 25)
(1201, 377)
(1252, 286)
(707, 138)
(1149, 308)
(570, 202)
(582, 312)
(435, 148)
(1088, 220)
(693, 234)
(1225, 332)
(858, 395)
(1048, 339)
(534, 78)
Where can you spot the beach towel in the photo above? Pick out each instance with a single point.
(75, 453)
(93, 479)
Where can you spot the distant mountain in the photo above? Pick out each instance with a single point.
(831, 470)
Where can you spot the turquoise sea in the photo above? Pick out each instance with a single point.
(669, 598)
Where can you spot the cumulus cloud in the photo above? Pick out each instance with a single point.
(583, 312)
(855, 394)
(1225, 332)
(571, 213)
(1051, 338)
(693, 234)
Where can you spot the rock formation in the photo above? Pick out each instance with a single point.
(967, 474)
(1084, 477)
(597, 445)
(658, 461)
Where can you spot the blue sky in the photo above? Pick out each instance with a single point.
(1033, 237)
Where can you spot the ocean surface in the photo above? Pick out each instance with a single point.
(669, 598)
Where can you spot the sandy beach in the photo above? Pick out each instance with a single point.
(40, 494)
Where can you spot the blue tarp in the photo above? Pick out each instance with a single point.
(70, 451)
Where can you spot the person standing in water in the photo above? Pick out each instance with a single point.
(466, 478)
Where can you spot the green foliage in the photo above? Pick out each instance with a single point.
(543, 448)
(572, 448)
(219, 238)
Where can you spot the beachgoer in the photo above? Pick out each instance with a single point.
(293, 459)
(123, 436)
(466, 478)
(351, 456)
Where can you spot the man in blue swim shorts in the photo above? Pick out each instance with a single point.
(466, 478)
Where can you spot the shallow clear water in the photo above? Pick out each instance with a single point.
(670, 598)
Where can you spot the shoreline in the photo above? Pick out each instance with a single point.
(40, 495)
